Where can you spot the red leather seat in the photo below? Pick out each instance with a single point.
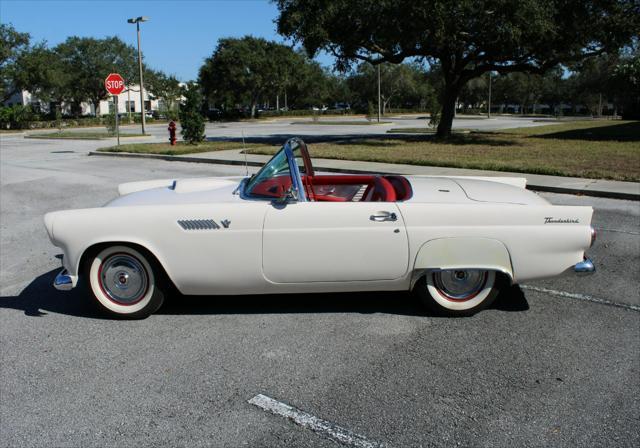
(402, 187)
(382, 191)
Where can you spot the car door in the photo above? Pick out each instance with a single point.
(334, 242)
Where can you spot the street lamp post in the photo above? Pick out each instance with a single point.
(489, 104)
(137, 21)
(379, 104)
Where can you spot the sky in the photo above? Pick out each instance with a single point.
(179, 35)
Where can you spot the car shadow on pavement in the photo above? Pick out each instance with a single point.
(511, 299)
(40, 298)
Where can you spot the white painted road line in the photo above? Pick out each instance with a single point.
(585, 297)
(628, 232)
(313, 423)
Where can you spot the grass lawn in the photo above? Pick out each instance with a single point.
(608, 130)
(80, 135)
(185, 148)
(341, 123)
(592, 149)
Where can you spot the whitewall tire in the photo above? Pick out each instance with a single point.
(460, 292)
(124, 282)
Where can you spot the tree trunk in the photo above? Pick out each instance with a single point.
(448, 111)
(253, 109)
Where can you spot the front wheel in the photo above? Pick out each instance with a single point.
(124, 282)
(457, 292)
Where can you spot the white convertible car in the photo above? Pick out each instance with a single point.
(453, 240)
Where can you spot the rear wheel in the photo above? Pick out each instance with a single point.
(457, 292)
(125, 282)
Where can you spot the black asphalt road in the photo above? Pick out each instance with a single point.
(544, 367)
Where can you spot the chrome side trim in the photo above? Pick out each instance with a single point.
(585, 267)
(63, 281)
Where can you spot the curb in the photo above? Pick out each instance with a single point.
(174, 158)
(49, 137)
(543, 188)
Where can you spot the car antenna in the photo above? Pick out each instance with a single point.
(244, 150)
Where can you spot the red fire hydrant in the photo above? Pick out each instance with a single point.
(172, 132)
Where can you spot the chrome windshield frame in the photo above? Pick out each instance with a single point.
(294, 172)
(296, 178)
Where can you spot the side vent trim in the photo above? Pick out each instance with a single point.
(198, 224)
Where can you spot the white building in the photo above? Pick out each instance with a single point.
(128, 101)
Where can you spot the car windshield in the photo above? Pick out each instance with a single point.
(275, 178)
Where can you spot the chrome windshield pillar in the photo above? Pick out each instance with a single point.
(296, 178)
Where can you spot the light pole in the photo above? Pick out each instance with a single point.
(137, 21)
(379, 105)
(489, 108)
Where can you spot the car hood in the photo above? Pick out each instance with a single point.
(177, 191)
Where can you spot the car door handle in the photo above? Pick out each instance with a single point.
(384, 216)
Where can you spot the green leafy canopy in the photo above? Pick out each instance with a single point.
(465, 37)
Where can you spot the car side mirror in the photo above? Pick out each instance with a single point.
(288, 195)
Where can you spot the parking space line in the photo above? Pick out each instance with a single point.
(584, 297)
(628, 232)
(312, 422)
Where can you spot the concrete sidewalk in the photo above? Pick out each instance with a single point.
(555, 184)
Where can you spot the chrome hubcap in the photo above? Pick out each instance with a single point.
(459, 284)
(124, 279)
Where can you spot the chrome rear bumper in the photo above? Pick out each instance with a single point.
(63, 281)
(586, 266)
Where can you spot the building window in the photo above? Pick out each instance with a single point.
(131, 106)
(147, 105)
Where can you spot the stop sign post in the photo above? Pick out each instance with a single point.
(114, 83)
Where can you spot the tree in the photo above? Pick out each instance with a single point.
(626, 79)
(13, 45)
(24, 66)
(399, 83)
(338, 89)
(165, 87)
(474, 94)
(249, 70)
(88, 61)
(308, 84)
(191, 119)
(467, 38)
(240, 71)
(40, 72)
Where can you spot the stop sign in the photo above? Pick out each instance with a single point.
(114, 84)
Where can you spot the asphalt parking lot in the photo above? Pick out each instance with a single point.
(554, 363)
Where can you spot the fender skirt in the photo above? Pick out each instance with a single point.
(463, 253)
